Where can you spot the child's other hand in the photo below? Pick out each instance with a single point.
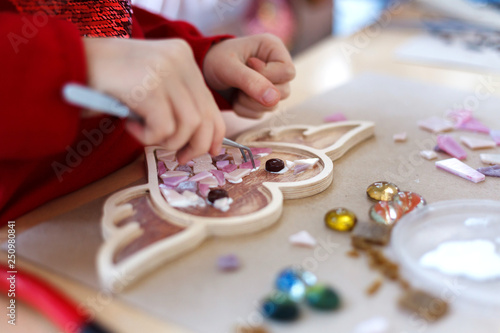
(160, 81)
(259, 66)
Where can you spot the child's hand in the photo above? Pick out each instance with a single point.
(160, 81)
(259, 66)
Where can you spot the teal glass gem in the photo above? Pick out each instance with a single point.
(322, 297)
(279, 306)
(294, 282)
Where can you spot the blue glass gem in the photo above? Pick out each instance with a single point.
(294, 282)
(280, 306)
(322, 297)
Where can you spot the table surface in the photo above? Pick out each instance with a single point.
(319, 70)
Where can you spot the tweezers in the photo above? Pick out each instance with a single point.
(88, 98)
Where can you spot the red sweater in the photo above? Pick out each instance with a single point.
(46, 150)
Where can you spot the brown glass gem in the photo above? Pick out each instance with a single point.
(275, 165)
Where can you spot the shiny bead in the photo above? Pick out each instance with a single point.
(386, 212)
(382, 191)
(409, 201)
(322, 297)
(294, 282)
(280, 306)
(340, 219)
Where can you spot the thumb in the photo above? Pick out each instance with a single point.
(256, 86)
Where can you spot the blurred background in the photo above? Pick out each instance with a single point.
(302, 23)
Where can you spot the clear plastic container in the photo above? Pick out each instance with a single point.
(425, 229)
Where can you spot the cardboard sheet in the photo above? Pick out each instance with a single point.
(191, 292)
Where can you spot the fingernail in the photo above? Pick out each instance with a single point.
(271, 96)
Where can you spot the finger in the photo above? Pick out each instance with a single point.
(159, 122)
(219, 133)
(198, 144)
(254, 85)
(187, 116)
(276, 72)
(284, 90)
(247, 107)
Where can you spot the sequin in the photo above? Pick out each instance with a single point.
(294, 281)
(340, 219)
(409, 201)
(386, 212)
(322, 297)
(382, 191)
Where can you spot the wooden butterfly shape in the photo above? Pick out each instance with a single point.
(143, 231)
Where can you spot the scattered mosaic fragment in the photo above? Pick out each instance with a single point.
(474, 143)
(458, 168)
(409, 201)
(425, 305)
(294, 282)
(334, 117)
(449, 145)
(473, 125)
(374, 287)
(436, 124)
(490, 158)
(250, 329)
(384, 191)
(228, 262)
(302, 238)
(279, 306)
(322, 297)
(492, 171)
(495, 135)
(428, 154)
(386, 212)
(370, 233)
(340, 219)
(400, 137)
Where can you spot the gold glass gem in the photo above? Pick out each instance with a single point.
(386, 212)
(409, 201)
(382, 191)
(340, 219)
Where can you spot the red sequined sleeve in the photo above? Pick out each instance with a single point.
(35, 61)
(153, 26)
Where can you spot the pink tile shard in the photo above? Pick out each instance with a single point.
(169, 174)
(228, 263)
(161, 168)
(475, 143)
(203, 189)
(210, 181)
(221, 164)
(451, 147)
(473, 125)
(435, 124)
(459, 116)
(492, 171)
(248, 165)
(200, 167)
(334, 117)
(205, 158)
(219, 175)
(171, 165)
(237, 175)
(458, 168)
(261, 151)
(174, 181)
(495, 135)
(302, 238)
(400, 137)
(199, 176)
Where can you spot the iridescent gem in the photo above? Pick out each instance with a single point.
(280, 306)
(382, 191)
(294, 281)
(409, 201)
(322, 297)
(340, 219)
(386, 212)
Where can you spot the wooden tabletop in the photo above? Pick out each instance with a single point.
(320, 69)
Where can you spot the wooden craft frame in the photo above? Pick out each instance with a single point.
(115, 276)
